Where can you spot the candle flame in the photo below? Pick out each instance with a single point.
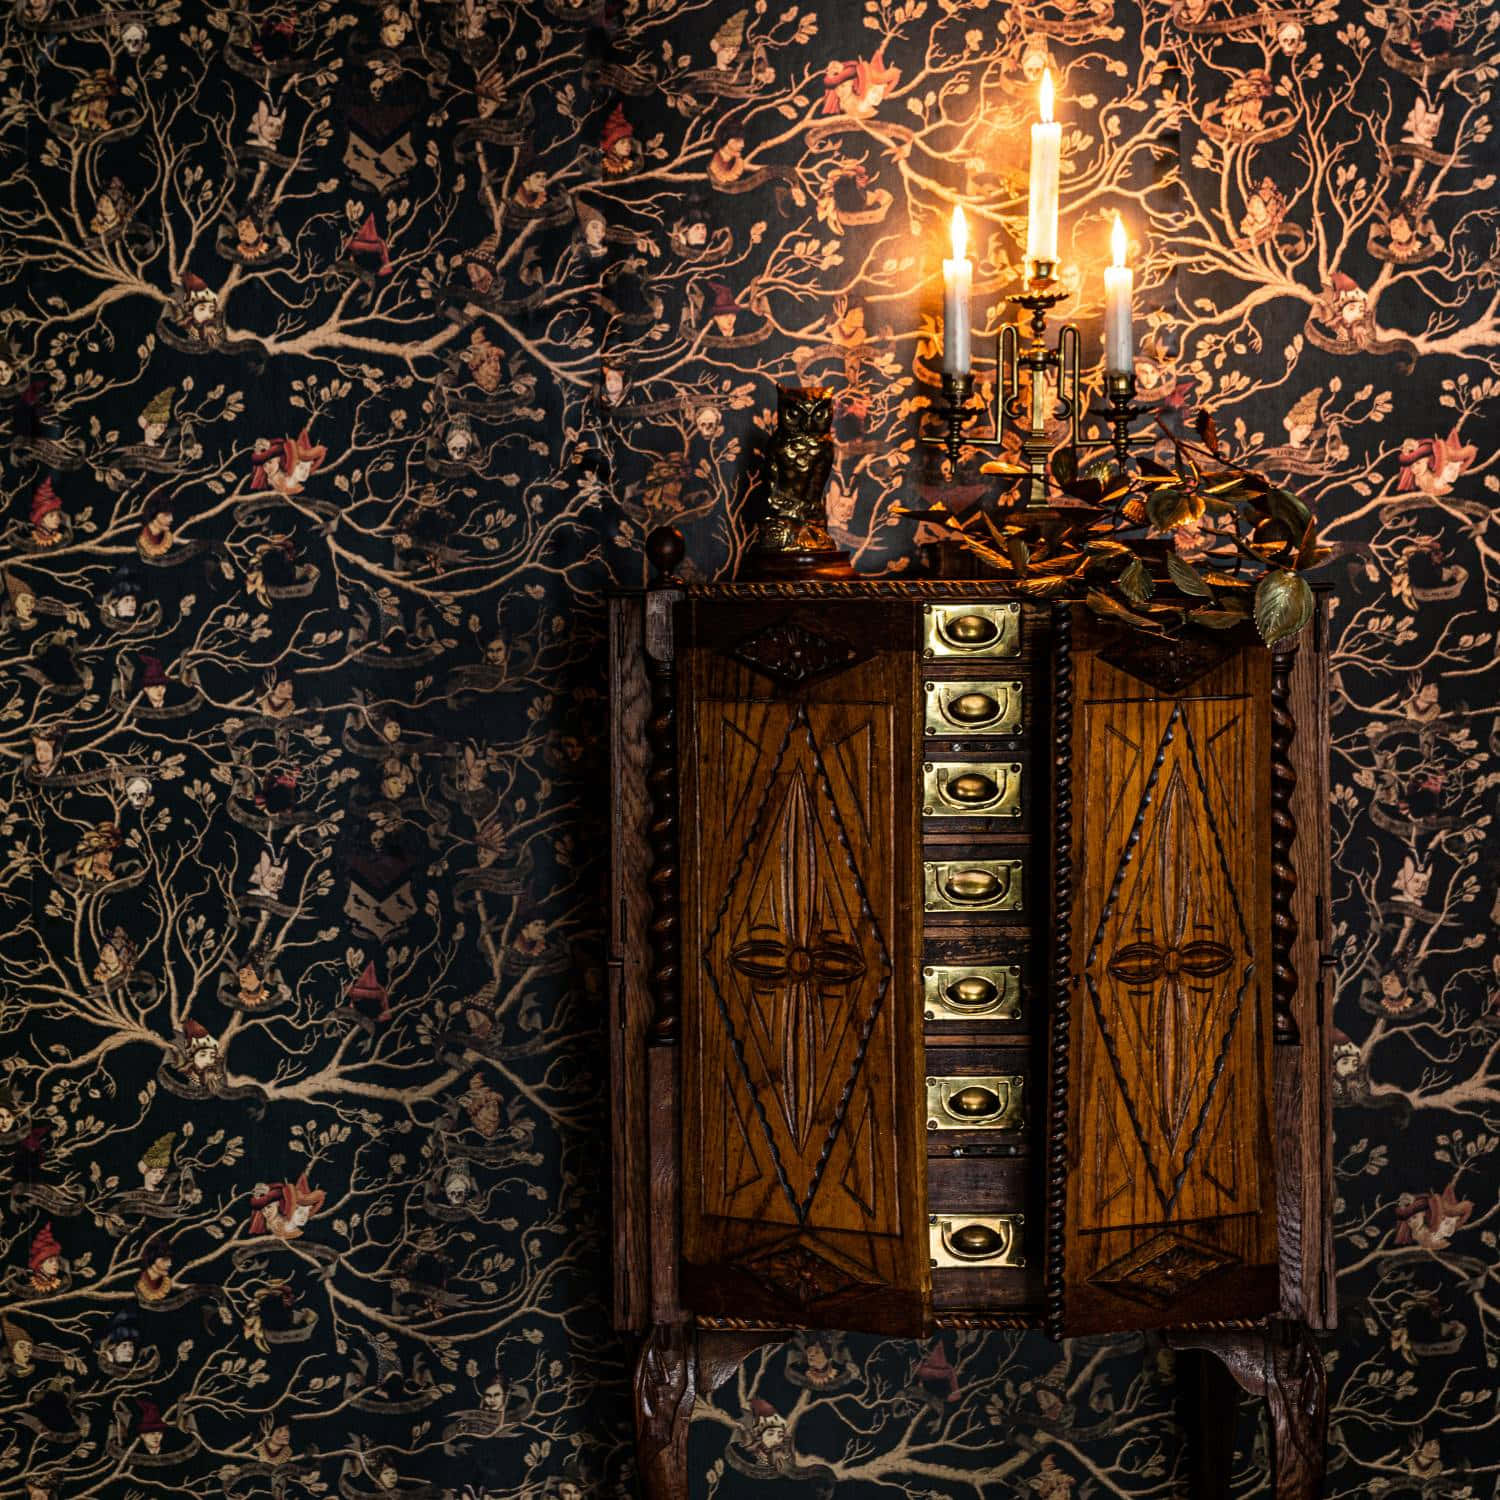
(960, 231)
(1047, 97)
(1117, 241)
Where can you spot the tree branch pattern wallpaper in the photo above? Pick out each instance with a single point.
(347, 353)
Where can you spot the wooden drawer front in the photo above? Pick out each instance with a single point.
(990, 790)
(969, 1242)
(971, 631)
(971, 992)
(976, 1101)
(969, 708)
(972, 886)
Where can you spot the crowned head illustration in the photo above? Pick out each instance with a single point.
(283, 1209)
(286, 464)
(1344, 309)
(198, 309)
(201, 1055)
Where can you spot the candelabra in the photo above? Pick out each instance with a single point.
(1052, 392)
(1032, 408)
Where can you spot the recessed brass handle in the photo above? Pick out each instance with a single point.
(980, 630)
(984, 1102)
(991, 789)
(972, 885)
(971, 708)
(990, 1240)
(988, 991)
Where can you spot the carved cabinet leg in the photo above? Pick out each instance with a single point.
(665, 1389)
(1281, 1364)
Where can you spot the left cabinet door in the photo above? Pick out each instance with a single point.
(803, 1152)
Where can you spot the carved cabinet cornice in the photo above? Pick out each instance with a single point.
(967, 971)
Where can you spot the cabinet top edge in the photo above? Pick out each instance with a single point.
(863, 588)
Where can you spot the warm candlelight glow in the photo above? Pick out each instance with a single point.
(960, 233)
(1047, 97)
(1117, 241)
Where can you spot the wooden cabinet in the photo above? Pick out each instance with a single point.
(966, 972)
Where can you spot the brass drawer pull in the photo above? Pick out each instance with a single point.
(987, 1102)
(987, 630)
(974, 707)
(972, 885)
(991, 790)
(989, 991)
(990, 1240)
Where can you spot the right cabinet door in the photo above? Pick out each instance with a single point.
(1171, 1202)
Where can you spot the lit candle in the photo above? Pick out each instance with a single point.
(958, 280)
(1119, 283)
(1046, 153)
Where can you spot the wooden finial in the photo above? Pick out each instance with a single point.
(664, 548)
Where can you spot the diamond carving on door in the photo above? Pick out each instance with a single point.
(799, 968)
(1172, 1005)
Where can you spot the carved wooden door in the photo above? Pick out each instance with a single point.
(801, 1121)
(1171, 1202)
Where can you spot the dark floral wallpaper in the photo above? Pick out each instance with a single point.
(347, 352)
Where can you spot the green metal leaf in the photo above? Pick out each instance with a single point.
(1136, 583)
(1185, 576)
(1171, 507)
(1218, 619)
(1283, 605)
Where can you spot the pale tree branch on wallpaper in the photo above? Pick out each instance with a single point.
(349, 351)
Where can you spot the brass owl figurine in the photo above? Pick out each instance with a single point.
(793, 540)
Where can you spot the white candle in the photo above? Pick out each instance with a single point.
(958, 280)
(1046, 154)
(1119, 283)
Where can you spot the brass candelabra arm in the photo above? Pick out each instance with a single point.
(1120, 416)
(956, 392)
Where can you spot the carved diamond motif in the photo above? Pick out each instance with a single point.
(1165, 1268)
(805, 971)
(793, 654)
(1173, 957)
(798, 1273)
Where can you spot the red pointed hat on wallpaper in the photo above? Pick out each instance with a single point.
(44, 1246)
(44, 501)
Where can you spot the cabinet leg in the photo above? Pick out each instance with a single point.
(665, 1389)
(1280, 1364)
(1208, 1400)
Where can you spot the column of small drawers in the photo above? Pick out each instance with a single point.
(980, 781)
